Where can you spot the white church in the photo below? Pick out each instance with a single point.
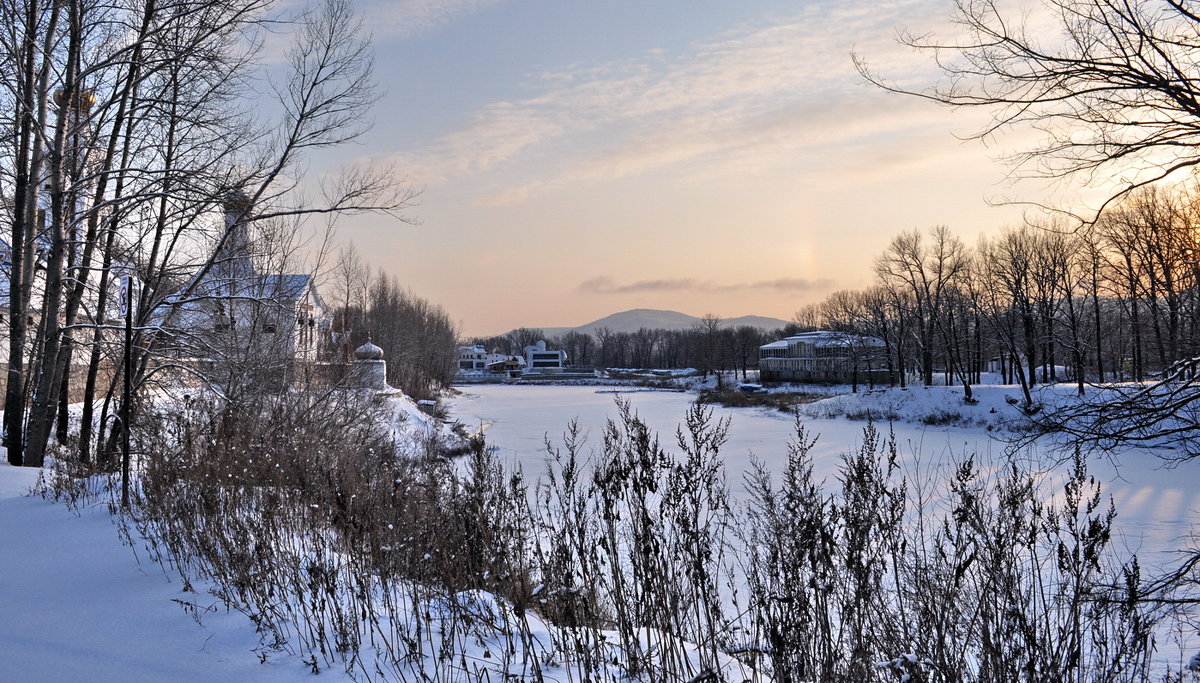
(234, 314)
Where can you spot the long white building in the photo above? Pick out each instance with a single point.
(824, 356)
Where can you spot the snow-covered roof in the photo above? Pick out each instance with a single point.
(824, 339)
(274, 287)
(290, 287)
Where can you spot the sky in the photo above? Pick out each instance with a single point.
(580, 158)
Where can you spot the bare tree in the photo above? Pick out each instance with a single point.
(1111, 84)
(1006, 305)
(418, 337)
(881, 321)
(1164, 414)
(644, 342)
(604, 350)
(844, 311)
(707, 334)
(350, 282)
(1063, 260)
(747, 340)
(927, 272)
(579, 346)
(521, 337)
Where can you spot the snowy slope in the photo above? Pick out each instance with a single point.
(77, 605)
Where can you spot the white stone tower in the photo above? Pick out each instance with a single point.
(369, 369)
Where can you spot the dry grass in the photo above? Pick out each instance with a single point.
(784, 402)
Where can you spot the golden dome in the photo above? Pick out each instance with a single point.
(81, 100)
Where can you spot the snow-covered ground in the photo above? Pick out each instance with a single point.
(77, 604)
(1157, 506)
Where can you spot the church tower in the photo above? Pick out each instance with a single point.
(234, 265)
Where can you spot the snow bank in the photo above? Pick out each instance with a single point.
(996, 407)
(78, 605)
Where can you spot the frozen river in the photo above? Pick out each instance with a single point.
(1156, 507)
(517, 419)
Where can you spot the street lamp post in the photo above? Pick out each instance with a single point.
(127, 304)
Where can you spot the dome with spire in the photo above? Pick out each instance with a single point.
(235, 201)
(368, 351)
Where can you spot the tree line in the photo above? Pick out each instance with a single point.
(1032, 304)
(418, 337)
(1119, 300)
(708, 346)
(1108, 87)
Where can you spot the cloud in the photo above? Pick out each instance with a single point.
(381, 18)
(790, 284)
(760, 96)
(817, 137)
(605, 285)
(406, 18)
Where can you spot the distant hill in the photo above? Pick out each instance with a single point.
(632, 321)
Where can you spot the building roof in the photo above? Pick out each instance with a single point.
(825, 339)
(288, 287)
(280, 288)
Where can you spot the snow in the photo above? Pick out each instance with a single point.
(411, 426)
(78, 605)
(1156, 505)
(929, 406)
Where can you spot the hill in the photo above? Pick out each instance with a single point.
(636, 319)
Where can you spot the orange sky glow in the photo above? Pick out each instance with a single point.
(575, 162)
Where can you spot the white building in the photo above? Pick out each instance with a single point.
(478, 359)
(472, 358)
(275, 321)
(540, 359)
